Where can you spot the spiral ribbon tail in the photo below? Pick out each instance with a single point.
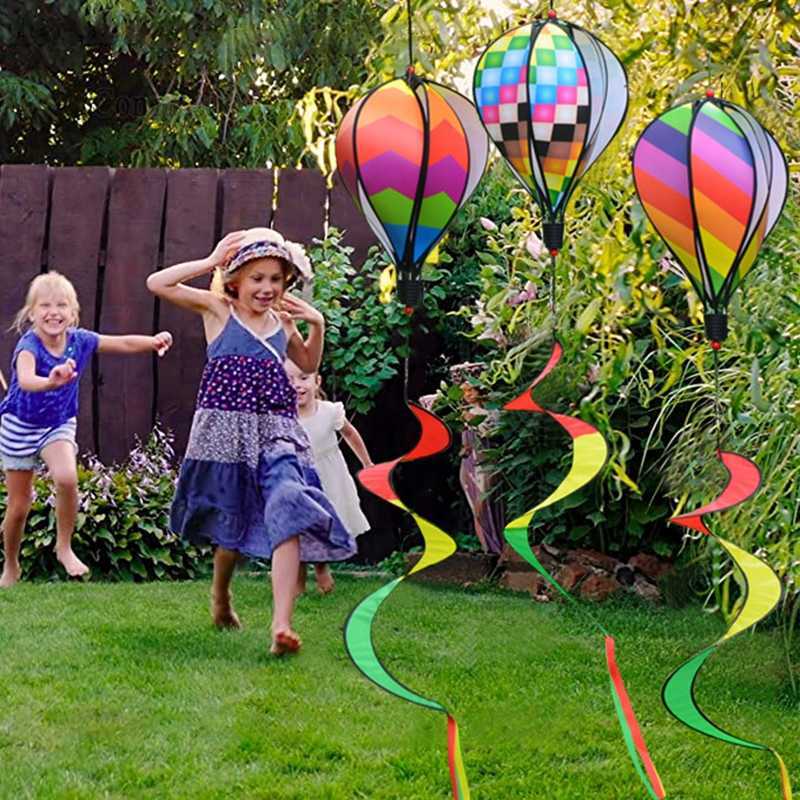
(634, 740)
(434, 438)
(762, 593)
(589, 455)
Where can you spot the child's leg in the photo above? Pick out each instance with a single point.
(19, 485)
(301, 578)
(60, 459)
(325, 582)
(285, 565)
(221, 609)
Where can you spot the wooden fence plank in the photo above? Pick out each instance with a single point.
(77, 208)
(246, 199)
(344, 215)
(126, 382)
(188, 235)
(23, 220)
(300, 214)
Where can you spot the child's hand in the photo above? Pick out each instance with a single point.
(225, 249)
(62, 374)
(294, 308)
(162, 342)
(366, 464)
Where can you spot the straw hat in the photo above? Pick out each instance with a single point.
(266, 242)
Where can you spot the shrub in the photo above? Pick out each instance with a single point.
(364, 340)
(122, 530)
(634, 365)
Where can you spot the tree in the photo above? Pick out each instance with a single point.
(257, 82)
(172, 82)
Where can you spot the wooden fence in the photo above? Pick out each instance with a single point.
(107, 229)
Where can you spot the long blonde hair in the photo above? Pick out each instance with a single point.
(218, 284)
(53, 282)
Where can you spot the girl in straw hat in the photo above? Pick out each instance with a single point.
(247, 482)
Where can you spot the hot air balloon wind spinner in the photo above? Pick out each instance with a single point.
(552, 97)
(410, 152)
(713, 182)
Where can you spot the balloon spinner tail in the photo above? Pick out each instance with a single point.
(434, 438)
(589, 455)
(762, 593)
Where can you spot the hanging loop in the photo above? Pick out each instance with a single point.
(717, 398)
(410, 40)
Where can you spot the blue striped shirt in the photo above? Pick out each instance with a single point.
(54, 407)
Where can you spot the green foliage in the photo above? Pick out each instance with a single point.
(445, 35)
(397, 563)
(215, 83)
(254, 82)
(364, 340)
(634, 365)
(25, 101)
(122, 529)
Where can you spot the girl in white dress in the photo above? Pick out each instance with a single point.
(322, 421)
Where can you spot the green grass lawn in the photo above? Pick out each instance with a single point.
(125, 691)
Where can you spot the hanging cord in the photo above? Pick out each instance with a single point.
(410, 37)
(552, 301)
(717, 399)
(716, 323)
(405, 370)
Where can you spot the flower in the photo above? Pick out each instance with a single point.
(668, 264)
(534, 245)
(427, 401)
(487, 224)
(495, 336)
(528, 293)
(481, 317)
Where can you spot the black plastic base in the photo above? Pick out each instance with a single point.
(412, 79)
(409, 292)
(553, 235)
(717, 327)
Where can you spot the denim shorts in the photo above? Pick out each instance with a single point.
(21, 444)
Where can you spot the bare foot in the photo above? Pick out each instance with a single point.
(325, 582)
(72, 564)
(10, 575)
(285, 642)
(223, 615)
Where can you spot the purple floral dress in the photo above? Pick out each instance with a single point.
(247, 482)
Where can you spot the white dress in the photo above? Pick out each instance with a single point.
(337, 483)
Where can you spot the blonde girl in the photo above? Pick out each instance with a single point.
(247, 482)
(324, 421)
(40, 409)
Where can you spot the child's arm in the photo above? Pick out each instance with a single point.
(356, 444)
(29, 381)
(161, 342)
(168, 283)
(306, 354)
